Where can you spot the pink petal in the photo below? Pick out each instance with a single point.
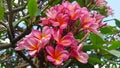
(32, 53)
(83, 57)
(36, 33)
(64, 55)
(54, 23)
(67, 40)
(57, 34)
(31, 43)
(50, 50)
(20, 45)
(63, 26)
(46, 30)
(79, 48)
(51, 59)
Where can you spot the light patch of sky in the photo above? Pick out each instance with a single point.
(115, 5)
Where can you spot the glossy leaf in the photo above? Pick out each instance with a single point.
(96, 40)
(32, 8)
(114, 45)
(90, 47)
(114, 52)
(117, 22)
(108, 30)
(103, 11)
(80, 2)
(95, 60)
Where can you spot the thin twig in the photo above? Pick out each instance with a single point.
(4, 46)
(83, 39)
(16, 10)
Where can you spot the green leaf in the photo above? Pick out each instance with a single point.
(80, 2)
(32, 8)
(89, 47)
(94, 60)
(96, 40)
(117, 22)
(114, 45)
(108, 30)
(54, 2)
(1, 12)
(114, 52)
(103, 11)
(80, 35)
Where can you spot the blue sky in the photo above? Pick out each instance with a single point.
(115, 5)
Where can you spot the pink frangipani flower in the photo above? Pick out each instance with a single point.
(78, 54)
(45, 34)
(65, 40)
(100, 2)
(57, 55)
(31, 44)
(73, 9)
(88, 24)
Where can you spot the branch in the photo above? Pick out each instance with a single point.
(16, 10)
(26, 59)
(11, 32)
(85, 36)
(67, 63)
(5, 46)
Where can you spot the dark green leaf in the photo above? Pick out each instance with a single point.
(95, 60)
(96, 40)
(103, 11)
(117, 22)
(32, 8)
(108, 30)
(80, 2)
(54, 2)
(1, 12)
(114, 52)
(80, 35)
(89, 47)
(114, 45)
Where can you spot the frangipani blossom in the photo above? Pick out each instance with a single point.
(73, 9)
(77, 53)
(88, 24)
(99, 19)
(31, 44)
(44, 35)
(65, 40)
(20, 45)
(100, 2)
(61, 21)
(45, 21)
(57, 55)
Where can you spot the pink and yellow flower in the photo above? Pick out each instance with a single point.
(100, 2)
(45, 34)
(73, 9)
(57, 55)
(88, 24)
(31, 44)
(77, 53)
(65, 40)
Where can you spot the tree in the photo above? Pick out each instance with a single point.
(58, 34)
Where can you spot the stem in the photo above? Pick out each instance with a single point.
(83, 39)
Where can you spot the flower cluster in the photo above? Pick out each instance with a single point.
(103, 4)
(58, 30)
